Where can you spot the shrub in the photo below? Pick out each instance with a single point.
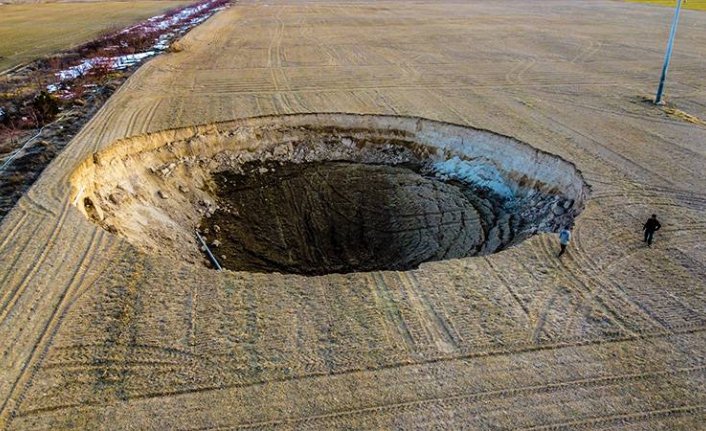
(44, 107)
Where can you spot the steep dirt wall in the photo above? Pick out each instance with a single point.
(157, 189)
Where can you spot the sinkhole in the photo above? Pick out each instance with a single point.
(314, 194)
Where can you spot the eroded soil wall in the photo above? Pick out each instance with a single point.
(157, 189)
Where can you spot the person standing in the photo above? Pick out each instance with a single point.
(651, 226)
(564, 238)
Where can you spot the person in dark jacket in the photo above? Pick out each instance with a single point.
(650, 227)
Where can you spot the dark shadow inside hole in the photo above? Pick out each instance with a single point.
(339, 217)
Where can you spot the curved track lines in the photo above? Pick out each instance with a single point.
(588, 52)
(587, 292)
(583, 259)
(579, 311)
(19, 261)
(459, 400)
(33, 205)
(434, 325)
(515, 75)
(32, 365)
(16, 292)
(508, 286)
(565, 294)
(150, 391)
(607, 151)
(622, 420)
(275, 54)
(10, 235)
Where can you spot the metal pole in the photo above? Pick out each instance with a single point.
(668, 54)
(208, 252)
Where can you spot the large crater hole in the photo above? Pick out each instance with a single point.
(315, 194)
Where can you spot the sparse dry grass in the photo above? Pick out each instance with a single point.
(689, 4)
(677, 113)
(31, 31)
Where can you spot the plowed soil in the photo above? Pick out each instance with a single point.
(96, 333)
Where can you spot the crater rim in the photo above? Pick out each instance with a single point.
(172, 169)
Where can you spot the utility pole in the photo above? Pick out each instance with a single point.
(668, 54)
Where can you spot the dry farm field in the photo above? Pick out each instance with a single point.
(30, 31)
(688, 4)
(110, 318)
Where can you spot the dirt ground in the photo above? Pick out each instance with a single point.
(97, 335)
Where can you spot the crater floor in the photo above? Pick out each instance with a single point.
(319, 218)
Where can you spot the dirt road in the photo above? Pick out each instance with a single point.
(96, 335)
